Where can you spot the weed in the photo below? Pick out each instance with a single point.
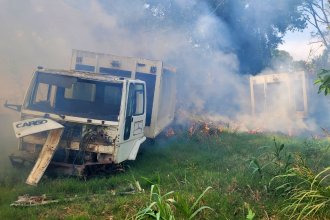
(166, 207)
(256, 167)
(250, 215)
(160, 207)
(308, 193)
(273, 163)
(190, 211)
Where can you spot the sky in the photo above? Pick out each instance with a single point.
(300, 45)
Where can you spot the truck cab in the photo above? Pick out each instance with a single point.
(104, 113)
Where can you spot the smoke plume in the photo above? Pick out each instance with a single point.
(185, 34)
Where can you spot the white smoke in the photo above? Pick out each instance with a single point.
(183, 33)
(43, 33)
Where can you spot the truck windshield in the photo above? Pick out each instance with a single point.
(75, 97)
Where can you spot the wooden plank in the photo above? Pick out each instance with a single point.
(45, 156)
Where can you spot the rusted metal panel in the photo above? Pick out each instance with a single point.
(45, 156)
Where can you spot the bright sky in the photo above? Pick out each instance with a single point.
(299, 45)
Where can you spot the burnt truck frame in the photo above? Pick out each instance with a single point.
(93, 116)
(292, 83)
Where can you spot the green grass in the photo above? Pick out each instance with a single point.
(183, 164)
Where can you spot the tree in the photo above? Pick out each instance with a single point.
(317, 14)
(281, 59)
(258, 27)
(251, 29)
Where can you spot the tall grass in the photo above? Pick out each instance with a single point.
(184, 164)
(308, 193)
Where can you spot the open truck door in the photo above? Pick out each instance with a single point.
(135, 111)
(135, 118)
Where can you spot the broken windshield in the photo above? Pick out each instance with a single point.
(75, 97)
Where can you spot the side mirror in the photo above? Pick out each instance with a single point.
(13, 106)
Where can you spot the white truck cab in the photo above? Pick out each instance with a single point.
(102, 111)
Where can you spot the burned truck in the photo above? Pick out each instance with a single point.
(93, 116)
(287, 91)
(279, 101)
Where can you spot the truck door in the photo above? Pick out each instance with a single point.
(135, 111)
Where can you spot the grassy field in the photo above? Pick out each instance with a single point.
(238, 167)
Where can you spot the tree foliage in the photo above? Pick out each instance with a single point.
(251, 29)
(258, 27)
(324, 81)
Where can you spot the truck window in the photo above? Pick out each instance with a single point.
(42, 92)
(44, 96)
(130, 101)
(75, 97)
(135, 105)
(139, 99)
(81, 91)
(112, 97)
(112, 94)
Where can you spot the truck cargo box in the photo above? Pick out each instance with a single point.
(160, 82)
